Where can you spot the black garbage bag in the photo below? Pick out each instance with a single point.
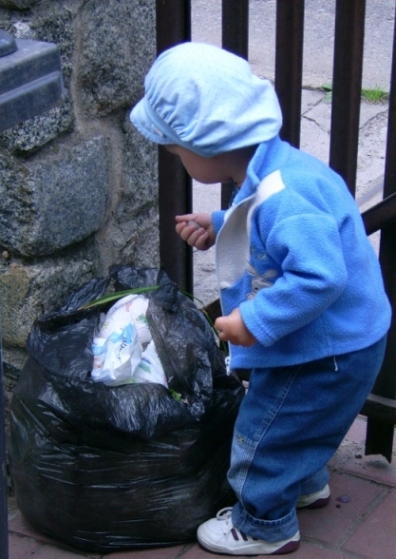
(105, 468)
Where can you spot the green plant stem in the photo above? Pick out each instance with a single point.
(117, 295)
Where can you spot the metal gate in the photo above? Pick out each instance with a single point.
(175, 191)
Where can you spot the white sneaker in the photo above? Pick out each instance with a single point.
(315, 500)
(220, 536)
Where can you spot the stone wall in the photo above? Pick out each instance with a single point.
(78, 185)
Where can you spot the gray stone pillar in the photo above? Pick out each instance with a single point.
(78, 185)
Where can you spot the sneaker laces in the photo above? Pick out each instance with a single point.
(224, 515)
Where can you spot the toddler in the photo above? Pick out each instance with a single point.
(303, 302)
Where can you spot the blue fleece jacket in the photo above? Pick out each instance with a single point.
(293, 255)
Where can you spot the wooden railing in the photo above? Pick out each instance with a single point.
(174, 26)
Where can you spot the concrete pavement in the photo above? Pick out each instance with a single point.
(318, 38)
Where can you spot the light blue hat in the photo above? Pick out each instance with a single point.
(207, 100)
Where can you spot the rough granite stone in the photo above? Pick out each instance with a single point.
(51, 23)
(132, 235)
(140, 171)
(14, 359)
(135, 230)
(18, 4)
(51, 202)
(135, 238)
(38, 131)
(78, 175)
(28, 289)
(116, 52)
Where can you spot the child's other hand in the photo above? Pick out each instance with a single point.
(232, 329)
(196, 229)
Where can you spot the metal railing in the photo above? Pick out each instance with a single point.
(174, 26)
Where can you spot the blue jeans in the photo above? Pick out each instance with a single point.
(289, 425)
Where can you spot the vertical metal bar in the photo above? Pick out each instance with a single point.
(347, 83)
(234, 38)
(379, 438)
(173, 23)
(386, 384)
(235, 26)
(3, 473)
(289, 64)
(175, 190)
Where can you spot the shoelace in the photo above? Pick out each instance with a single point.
(224, 515)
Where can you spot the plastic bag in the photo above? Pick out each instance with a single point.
(127, 310)
(106, 468)
(123, 349)
(116, 357)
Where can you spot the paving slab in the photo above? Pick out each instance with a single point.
(18, 525)
(161, 553)
(350, 500)
(375, 537)
(21, 547)
(373, 468)
(53, 552)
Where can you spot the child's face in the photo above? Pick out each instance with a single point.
(208, 170)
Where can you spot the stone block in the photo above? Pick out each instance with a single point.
(136, 238)
(31, 80)
(52, 26)
(140, 170)
(134, 230)
(38, 131)
(28, 290)
(116, 50)
(14, 359)
(18, 4)
(51, 202)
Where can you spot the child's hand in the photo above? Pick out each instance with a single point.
(196, 229)
(232, 329)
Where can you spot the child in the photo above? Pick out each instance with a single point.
(302, 296)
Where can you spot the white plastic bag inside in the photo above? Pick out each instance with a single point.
(117, 356)
(150, 368)
(129, 309)
(123, 349)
